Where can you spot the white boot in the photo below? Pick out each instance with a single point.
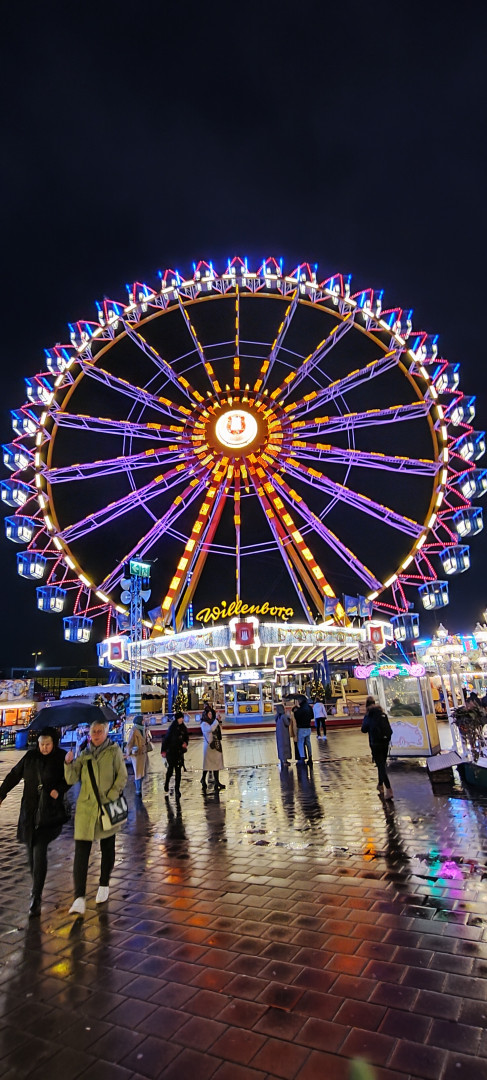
(102, 894)
(78, 907)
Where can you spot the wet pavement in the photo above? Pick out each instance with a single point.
(284, 928)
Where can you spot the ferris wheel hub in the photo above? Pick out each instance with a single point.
(236, 429)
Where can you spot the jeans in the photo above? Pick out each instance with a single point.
(379, 754)
(304, 739)
(320, 722)
(82, 849)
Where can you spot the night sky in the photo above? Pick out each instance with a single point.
(137, 137)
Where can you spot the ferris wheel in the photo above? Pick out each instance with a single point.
(237, 426)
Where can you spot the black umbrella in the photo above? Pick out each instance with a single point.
(70, 714)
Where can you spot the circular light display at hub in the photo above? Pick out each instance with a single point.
(236, 429)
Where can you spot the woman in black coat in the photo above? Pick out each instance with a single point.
(42, 810)
(376, 725)
(174, 746)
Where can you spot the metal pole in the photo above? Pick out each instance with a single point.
(135, 694)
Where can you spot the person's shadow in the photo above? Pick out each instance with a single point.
(176, 840)
(286, 780)
(308, 797)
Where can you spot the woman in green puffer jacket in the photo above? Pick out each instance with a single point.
(110, 777)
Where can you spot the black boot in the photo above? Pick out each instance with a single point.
(35, 907)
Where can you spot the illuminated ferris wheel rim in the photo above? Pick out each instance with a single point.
(362, 312)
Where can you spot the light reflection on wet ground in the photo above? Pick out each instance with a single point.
(306, 867)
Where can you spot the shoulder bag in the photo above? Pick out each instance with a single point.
(111, 813)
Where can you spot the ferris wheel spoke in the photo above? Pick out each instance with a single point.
(125, 428)
(215, 386)
(347, 383)
(237, 512)
(297, 502)
(296, 377)
(327, 425)
(135, 393)
(354, 498)
(392, 463)
(236, 358)
(162, 365)
(110, 466)
(268, 363)
(132, 501)
(160, 528)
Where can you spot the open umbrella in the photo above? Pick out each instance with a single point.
(72, 713)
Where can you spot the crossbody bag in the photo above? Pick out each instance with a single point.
(111, 813)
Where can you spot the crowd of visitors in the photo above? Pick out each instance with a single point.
(98, 765)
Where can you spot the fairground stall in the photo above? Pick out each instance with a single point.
(404, 692)
(245, 666)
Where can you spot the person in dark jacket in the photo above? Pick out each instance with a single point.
(303, 715)
(175, 746)
(42, 810)
(376, 725)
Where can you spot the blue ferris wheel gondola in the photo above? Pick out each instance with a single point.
(471, 447)
(20, 529)
(468, 521)
(14, 492)
(405, 627)
(434, 594)
(472, 484)
(51, 598)
(31, 564)
(455, 559)
(77, 628)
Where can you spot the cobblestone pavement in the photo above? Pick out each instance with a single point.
(284, 928)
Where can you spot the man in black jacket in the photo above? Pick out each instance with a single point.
(303, 715)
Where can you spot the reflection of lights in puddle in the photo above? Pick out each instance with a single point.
(63, 968)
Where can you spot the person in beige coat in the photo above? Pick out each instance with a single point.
(110, 778)
(137, 751)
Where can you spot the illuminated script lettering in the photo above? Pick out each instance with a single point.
(226, 611)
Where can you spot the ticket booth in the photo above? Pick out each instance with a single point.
(248, 695)
(404, 693)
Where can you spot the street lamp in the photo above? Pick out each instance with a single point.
(35, 655)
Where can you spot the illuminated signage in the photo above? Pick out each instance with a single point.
(236, 428)
(366, 671)
(224, 611)
(138, 568)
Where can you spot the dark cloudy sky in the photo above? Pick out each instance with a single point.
(136, 137)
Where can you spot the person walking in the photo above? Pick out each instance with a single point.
(42, 809)
(319, 713)
(303, 714)
(102, 774)
(137, 751)
(282, 736)
(376, 725)
(212, 747)
(175, 745)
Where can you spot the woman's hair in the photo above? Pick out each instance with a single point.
(99, 723)
(178, 714)
(49, 733)
(279, 710)
(375, 712)
(370, 701)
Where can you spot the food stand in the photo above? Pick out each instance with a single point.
(404, 692)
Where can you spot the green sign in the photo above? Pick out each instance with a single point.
(139, 568)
